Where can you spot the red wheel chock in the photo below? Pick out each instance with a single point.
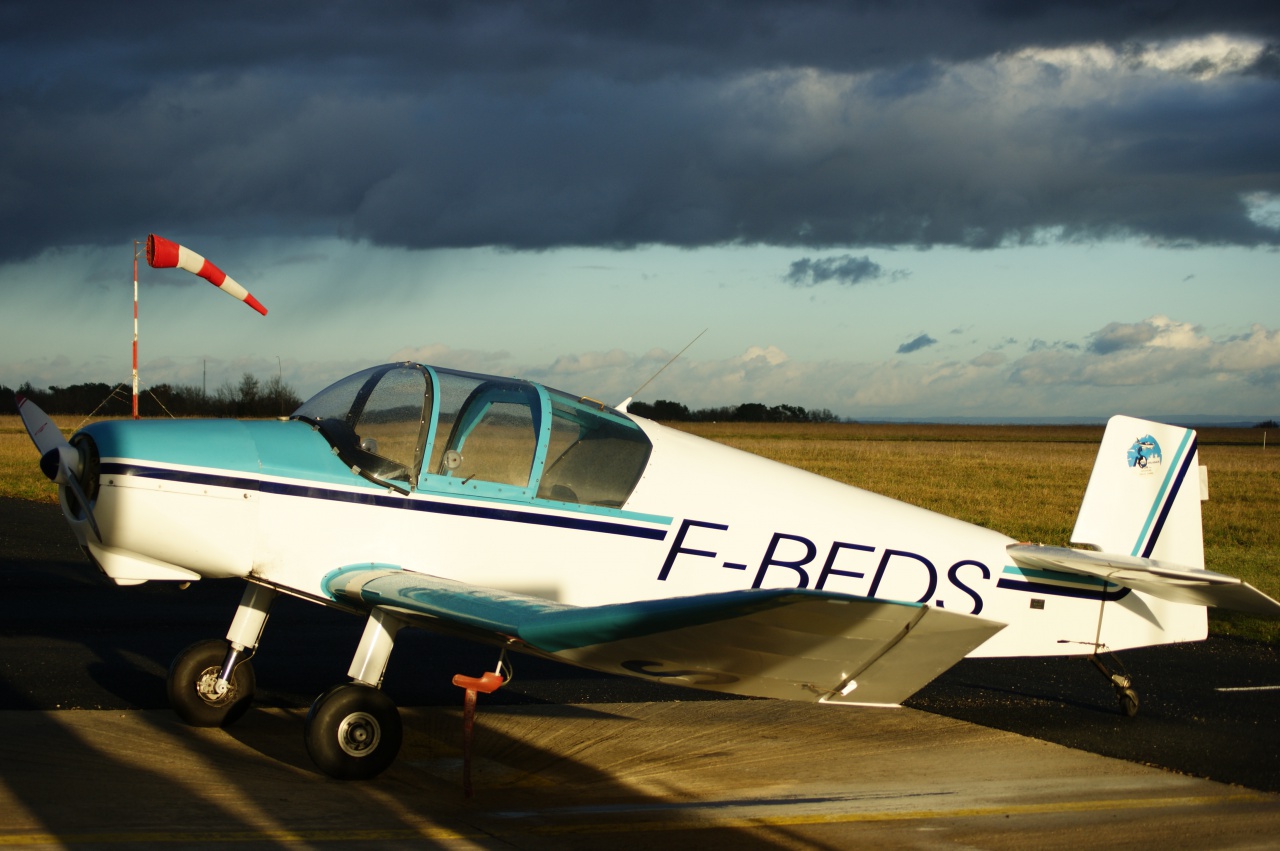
(488, 683)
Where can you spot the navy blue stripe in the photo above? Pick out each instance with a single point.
(1168, 503)
(1062, 591)
(180, 476)
(480, 512)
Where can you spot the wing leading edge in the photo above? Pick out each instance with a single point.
(784, 643)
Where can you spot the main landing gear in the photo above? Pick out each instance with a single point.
(353, 731)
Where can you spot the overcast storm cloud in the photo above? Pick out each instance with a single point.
(847, 270)
(541, 125)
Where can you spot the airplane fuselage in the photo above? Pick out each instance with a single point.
(270, 502)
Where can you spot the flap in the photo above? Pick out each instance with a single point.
(786, 643)
(1159, 579)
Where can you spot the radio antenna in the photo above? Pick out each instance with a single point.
(627, 401)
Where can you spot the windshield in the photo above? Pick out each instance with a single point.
(376, 420)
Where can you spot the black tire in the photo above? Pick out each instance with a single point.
(203, 660)
(353, 732)
(1129, 702)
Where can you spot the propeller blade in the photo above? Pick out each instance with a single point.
(74, 484)
(59, 460)
(44, 434)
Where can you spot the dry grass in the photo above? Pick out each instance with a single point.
(1024, 481)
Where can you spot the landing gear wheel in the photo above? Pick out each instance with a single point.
(190, 685)
(1123, 685)
(1128, 701)
(353, 732)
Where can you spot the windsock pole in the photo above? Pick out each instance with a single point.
(136, 243)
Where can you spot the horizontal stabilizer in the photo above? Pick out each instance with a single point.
(784, 643)
(1168, 582)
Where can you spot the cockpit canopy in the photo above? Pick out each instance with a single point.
(414, 427)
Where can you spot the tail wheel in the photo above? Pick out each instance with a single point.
(353, 732)
(1128, 701)
(191, 686)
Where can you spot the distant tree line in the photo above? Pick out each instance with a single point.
(250, 398)
(748, 412)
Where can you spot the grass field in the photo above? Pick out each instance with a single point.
(1024, 481)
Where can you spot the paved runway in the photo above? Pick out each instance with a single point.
(569, 758)
(708, 775)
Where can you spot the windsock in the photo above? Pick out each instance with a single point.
(163, 254)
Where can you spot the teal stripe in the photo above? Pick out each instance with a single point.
(1056, 576)
(1172, 470)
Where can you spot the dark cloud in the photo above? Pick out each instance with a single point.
(847, 270)
(923, 341)
(539, 125)
(1117, 336)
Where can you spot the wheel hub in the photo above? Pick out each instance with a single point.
(207, 686)
(359, 734)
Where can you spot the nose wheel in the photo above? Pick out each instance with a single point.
(194, 689)
(353, 732)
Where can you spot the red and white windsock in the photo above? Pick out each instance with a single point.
(163, 254)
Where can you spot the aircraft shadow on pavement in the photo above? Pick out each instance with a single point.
(137, 777)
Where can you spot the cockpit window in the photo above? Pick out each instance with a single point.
(376, 420)
(596, 456)
(488, 432)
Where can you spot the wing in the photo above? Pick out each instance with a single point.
(1166, 581)
(794, 644)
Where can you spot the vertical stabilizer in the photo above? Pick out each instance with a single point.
(1144, 495)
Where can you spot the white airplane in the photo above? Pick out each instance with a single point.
(511, 513)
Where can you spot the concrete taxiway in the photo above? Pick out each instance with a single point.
(741, 774)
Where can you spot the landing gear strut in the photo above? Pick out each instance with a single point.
(1122, 684)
